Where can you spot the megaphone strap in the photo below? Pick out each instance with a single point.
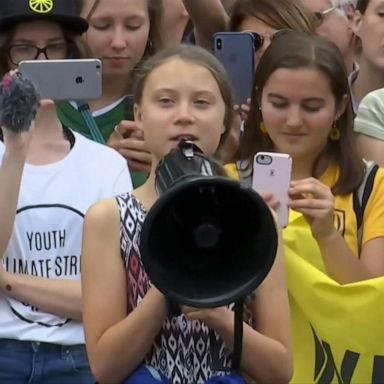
(173, 308)
(237, 345)
(238, 335)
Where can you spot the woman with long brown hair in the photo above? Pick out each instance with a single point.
(121, 34)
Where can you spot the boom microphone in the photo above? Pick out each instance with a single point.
(19, 102)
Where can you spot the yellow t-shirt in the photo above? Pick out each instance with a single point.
(344, 216)
(337, 329)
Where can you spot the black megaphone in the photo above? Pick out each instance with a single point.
(208, 240)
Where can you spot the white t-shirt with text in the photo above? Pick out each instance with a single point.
(47, 235)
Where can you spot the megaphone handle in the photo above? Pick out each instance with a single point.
(173, 308)
(238, 335)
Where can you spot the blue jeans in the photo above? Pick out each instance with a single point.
(25, 362)
(145, 374)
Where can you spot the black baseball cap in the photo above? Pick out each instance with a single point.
(63, 12)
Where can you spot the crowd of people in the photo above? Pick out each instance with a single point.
(76, 303)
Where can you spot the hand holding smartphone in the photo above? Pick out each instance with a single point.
(235, 50)
(77, 79)
(272, 174)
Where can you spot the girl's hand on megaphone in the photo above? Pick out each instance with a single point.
(213, 318)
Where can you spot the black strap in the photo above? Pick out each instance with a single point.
(369, 186)
(360, 200)
(361, 195)
(237, 343)
(238, 335)
(173, 310)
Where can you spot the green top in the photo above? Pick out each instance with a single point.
(71, 117)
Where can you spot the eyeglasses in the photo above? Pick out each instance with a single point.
(55, 51)
(259, 39)
(319, 16)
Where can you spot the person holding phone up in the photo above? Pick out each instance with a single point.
(121, 34)
(301, 107)
(263, 19)
(41, 332)
(295, 115)
(137, 329)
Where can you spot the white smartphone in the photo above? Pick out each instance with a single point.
(77, 79)
(272, 174)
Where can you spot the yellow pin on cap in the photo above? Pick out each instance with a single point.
(41, 6)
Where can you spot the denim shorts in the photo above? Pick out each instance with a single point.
(26, 362)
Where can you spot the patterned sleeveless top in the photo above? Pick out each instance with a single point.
(185, 351)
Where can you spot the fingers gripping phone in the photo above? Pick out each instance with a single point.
(235, 50)
(272, 174)
(77, 79)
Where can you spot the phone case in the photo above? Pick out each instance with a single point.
(272, 174)
(235, 50)
(78, 79)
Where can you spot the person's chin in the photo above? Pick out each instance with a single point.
(46, 102)
(120, 70)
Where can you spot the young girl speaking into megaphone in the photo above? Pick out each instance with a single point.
(181, 93)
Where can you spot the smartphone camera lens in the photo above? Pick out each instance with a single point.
(264, 159)
(219, 43)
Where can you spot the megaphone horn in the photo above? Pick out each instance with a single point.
(207, 241)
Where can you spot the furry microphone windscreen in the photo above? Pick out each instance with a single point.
(19, 102)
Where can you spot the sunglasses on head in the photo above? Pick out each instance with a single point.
(319, 16)
(258, 39)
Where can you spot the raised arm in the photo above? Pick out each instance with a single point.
(11, 171)
(19, 102)
(207, 19)
(117, 342)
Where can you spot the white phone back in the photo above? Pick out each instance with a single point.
(272, 174)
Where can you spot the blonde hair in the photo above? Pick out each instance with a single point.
(279, 14)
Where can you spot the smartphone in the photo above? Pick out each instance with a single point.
(78, 79)
(235, 50)
(272, 174)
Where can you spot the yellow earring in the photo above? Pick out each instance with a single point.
(335, 134)
(263, 127)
